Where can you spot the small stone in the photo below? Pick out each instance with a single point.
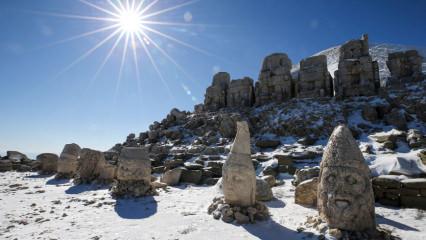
(241, 218)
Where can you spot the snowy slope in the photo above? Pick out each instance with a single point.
(379, 52)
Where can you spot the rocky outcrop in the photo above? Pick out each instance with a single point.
(314, 79)
(133, 174)
(345, 194)
(48, 163)
(215, 97)
(357, 74)
(68, 161)
(93, 166)
(240, 93)
(404, 67)
(275, 81)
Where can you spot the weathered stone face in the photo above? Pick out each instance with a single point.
(240, 93)
(275, 82)
(405, 67)
(358, 74)
(345, 194)
(68, 160)
(239, 177)
(215, 97)
(314, 78)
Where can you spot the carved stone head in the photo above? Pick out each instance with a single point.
(345, 194)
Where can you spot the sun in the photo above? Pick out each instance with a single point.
(130, 21)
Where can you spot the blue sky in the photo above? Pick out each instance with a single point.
(43, 107)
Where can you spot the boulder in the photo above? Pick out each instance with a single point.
(270, 180)
(268, 143)
(191, 176)
(408, 167)
(49, 163)
(68, 161)
(306, 192)
(240, 93)
(215, 97)
(171, 177)
(263, 190)
(396, 118)
(16, 156)
(415, 139)
(304, 174)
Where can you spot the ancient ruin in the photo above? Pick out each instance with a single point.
(133, 173)
(358, 74)
(405, 67)
(68, 161)
(93, 166)
(239, 184)
(314, 79)
(345, 194)
(215, 97)
(275, 81)
(240, 93)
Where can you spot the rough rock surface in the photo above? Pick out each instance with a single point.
(133, 173)
(49, 163)
(240, 93)
(263, 190)
(358, 74)
(405, 67)
(90, 166)
(239, 177)
(215, 97)
(314, 79)
(306, 192)
(345, 194)
(171, 177)
(275, 81)
(68, 161)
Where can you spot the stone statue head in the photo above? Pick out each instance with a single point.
(345, 195)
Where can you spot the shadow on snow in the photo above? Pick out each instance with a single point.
(136, 208)
(272, 230)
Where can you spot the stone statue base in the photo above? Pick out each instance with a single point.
(140, 188)
(242, 215)
(378, 233)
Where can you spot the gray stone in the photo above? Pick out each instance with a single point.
(306, 192)
(49, 163)
(68, 161)
(263, 190)
(357, 74)
(191, 176)
(240, 93)
(314, 79)
(275, 81)
(215, 97)
(171, 177)
(239, 177)
(405, 67)
(345, 193)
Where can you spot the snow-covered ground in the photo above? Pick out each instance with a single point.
(39, 207)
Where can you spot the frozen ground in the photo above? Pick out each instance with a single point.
(38, 207)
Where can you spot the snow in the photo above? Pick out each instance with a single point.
(177, 213)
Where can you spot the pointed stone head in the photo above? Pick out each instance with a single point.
(345, 194)
(239, 177)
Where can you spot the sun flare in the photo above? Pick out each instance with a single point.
(130, 21)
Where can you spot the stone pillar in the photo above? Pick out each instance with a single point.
(91, 166)
(239, 177)
(345, 193)
(68, 161)
(404, 67)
